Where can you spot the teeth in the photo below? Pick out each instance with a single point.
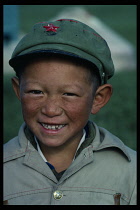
(52, 127)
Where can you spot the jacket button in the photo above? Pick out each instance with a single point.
(57, 195)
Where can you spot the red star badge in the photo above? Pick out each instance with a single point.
(51, 27)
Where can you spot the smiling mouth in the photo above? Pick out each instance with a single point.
(52, 127)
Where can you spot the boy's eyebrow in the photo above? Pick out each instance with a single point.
(24, 84)
(65, 85)
(30, 82)
(73, 85)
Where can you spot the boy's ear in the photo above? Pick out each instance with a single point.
(16, 87)
(102, 96)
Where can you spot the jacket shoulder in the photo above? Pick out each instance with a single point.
(112, 141)
(12, 149)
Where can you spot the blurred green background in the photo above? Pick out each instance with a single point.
(119, 115)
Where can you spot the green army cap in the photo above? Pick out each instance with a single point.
(68, 37)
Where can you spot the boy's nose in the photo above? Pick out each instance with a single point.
(52, 108)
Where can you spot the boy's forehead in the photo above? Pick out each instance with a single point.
(61, 65)
(42, 71)
(57, 62)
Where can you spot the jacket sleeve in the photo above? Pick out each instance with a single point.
(133, 200)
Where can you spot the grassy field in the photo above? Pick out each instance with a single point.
(119, 115)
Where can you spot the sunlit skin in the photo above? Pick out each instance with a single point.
(56, 92)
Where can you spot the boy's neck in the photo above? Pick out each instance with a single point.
(61, 157)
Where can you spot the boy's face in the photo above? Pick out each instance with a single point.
(56, 99)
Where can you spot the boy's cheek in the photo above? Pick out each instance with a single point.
(29, 107)
(78, 113)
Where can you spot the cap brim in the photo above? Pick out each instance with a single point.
(20, 59)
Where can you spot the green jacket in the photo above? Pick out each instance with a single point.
(103, 167)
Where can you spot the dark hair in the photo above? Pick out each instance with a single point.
(94, 76)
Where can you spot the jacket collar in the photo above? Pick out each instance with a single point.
(104, 139)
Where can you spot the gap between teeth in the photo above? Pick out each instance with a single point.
(53, 127)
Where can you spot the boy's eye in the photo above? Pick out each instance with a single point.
(69, 94)
(35, 91)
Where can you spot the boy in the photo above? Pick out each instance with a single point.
(59, 157)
